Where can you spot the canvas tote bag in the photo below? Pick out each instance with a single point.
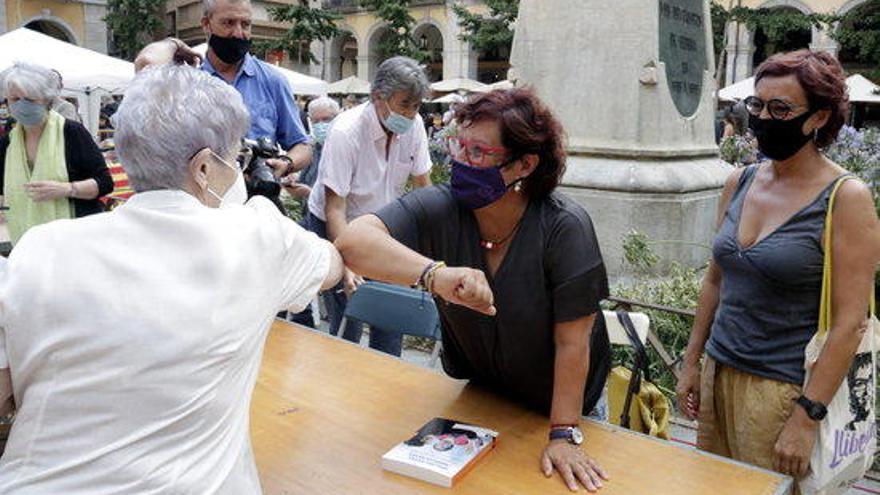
(847, 439)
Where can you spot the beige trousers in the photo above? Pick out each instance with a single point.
(741, 415)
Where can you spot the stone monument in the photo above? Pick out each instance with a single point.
(632, 82)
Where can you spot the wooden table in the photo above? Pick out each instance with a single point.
(324, 412)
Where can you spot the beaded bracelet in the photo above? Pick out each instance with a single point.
(426, 279)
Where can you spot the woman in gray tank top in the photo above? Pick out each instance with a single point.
(759, 303)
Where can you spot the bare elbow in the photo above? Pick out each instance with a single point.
(356, 237)
(344, 242)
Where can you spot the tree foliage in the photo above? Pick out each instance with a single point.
(857, 31)
(487, 33)
(308, 24)
(133, 24)
(398, 39)
(719, 25)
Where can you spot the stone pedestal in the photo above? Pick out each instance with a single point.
(632, 82)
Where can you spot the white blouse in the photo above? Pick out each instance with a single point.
(134, 339)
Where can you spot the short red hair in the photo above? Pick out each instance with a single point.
(823, 80)
(527, 127)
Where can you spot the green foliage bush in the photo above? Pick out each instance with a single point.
(679, 289)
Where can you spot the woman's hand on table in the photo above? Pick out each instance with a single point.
(47, 190)
(466, 287)
(573, 464)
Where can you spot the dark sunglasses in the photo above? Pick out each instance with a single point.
(778, 109)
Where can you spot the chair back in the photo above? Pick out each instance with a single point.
(395, 308)
(616, 332)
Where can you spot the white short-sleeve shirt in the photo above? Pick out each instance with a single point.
(354, 164)
(134, 340)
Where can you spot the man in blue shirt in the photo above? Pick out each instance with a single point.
(266, 93)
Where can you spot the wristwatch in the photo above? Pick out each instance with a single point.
(573, 434)
(815, 410)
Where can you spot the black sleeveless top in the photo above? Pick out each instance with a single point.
(769, 299)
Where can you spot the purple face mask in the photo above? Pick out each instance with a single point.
(476, 187)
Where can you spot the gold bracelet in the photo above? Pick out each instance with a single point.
(429, 277)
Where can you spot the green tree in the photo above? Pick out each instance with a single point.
(398, 39)
(858, 31)
(133, 24)
(487, 33)
(307, 25)
(720, 18)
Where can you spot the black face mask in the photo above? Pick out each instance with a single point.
(230, 50)
(780, 139)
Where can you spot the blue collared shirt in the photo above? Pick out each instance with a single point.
(269, 100)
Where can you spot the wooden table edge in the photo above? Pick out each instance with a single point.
(784, 488)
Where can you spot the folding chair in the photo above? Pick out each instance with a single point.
(631, 329)
(616, 332)
(396, 309)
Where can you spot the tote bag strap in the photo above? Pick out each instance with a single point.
(825, 299)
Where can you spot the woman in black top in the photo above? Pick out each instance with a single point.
(522, 313)
(26, 177)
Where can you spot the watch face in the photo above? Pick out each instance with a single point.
(577, 436)
(815, 410)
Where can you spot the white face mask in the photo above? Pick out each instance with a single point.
(236, 195)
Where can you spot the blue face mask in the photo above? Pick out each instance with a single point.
(396, 123)
(319, 131)
(28, 113)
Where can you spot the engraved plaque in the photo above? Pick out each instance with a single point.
(683, 50)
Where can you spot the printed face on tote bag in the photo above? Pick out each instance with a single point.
(861, 392)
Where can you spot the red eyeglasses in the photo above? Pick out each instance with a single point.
(473, 153)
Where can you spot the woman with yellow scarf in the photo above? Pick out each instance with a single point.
(50, 168)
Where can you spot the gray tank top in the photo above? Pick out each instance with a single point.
(769, 300)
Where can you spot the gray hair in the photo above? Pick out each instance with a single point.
(34, 80)
(169, 114)
(323, 103)
(209, 6)
(401, 74)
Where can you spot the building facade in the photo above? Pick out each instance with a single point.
(356, 51)
(80, 22)
(746, 49)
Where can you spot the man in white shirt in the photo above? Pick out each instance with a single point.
(133, 339)
(370, 153)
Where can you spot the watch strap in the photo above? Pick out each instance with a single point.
(815, 410)
(560, 434)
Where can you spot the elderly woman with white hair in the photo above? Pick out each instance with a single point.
(133, 339)
(50, 167)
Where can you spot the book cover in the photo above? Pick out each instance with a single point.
(441, 452)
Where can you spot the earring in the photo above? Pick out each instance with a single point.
(518, 186)
(816, 134)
